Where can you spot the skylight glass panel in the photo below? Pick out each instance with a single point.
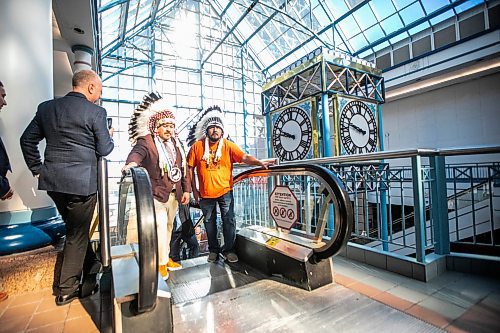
(132, 11)
(321, 16)
(144, 10)
(400, 4)
(398, 38)
(337, 7)
(381, 46)
(391, 24)
(412, 13)
(419, 28)
(110, 25)
(339, 39)
(349, 27)
(446, 15)
(365, 54)
(365, 18)
(382, 8)
(433, 5)
(358, 42)
(467, 5)
(343, 47)
(374, 33)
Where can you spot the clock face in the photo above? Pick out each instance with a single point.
(358, 129)
(292, 134)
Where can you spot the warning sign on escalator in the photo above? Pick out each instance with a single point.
(284, 207)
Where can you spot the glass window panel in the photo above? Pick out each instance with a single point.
(400, 4)
(364, 16)
(337, 7)
(419, 28)
(365, 54)
(398, 38)
(110, 92)
(111, 108)
(442, 17)
(139, 94)
(144, 10)
(358, 41)
(374, 33)
(321, 16)
(391, 24)
(349, 27)
(433, 5)
(381, 46)
(111, 82)
(412, 13)
(469, 4)
(126, 81)
(382, 8)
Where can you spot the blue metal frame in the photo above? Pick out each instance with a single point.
(111, 5)
(440, 206)
(410, 26)
(419, 207)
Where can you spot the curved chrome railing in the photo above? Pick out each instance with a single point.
(329, 194)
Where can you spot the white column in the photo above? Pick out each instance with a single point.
(26, 72)
(83, 57)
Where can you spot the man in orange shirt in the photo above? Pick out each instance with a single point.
(213, 156)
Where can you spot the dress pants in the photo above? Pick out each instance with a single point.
(78, 256)
(165, 215)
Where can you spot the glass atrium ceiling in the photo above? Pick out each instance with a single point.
(277, 32)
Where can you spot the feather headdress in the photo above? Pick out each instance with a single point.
(152, 110)
(139, 121)
(213, 116)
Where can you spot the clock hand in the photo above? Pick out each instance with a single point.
(287, 135)
(359, 129)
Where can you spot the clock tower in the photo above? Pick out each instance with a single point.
(326, 104)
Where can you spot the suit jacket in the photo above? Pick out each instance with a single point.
(4, 167)
(76, 134)
(145, 155)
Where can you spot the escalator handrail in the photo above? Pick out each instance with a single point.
(102, 186)
(335, 188)
(147, 237)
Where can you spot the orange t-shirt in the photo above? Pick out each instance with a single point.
(214, 179)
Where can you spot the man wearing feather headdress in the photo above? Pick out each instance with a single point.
(158, 149)
(213, 155)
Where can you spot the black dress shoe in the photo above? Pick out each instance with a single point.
(95, 268)
(88, 289)
(66, 299)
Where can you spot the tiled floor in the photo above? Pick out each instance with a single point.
(454, 301)
(37, 312)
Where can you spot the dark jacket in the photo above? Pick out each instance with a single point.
(4, 167)
(145, 155)
(76, 134)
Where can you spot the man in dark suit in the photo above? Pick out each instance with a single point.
(76, 133)
(6, 191)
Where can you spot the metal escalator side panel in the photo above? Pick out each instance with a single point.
(344, 218)
(148, 242)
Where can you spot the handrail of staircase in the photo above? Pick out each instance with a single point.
(343, 209)
(404, 153)
(147, 237)
(102, 186)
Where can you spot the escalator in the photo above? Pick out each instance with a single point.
(298, 256)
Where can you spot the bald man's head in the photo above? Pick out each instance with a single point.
(88, 83)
